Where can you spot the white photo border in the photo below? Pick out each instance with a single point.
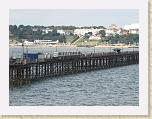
(141, 5)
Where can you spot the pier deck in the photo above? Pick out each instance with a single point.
(20, 74)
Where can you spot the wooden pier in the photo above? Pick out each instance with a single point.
(20, 74)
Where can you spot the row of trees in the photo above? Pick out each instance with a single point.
(36, 32)
(114, 39)
(127, 39)
(26, 32)
(14, 27)
(102, 33)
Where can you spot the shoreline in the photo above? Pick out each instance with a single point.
(109, 46)
(73, 46)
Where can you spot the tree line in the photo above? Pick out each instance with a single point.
(126, 39)
(36, 32)
(27, 32)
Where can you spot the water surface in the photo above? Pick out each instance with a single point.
(111, 87)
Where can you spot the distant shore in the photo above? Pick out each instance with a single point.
(41, 46)
(121, 46)
(73, 46)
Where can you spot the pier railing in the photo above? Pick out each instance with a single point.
(20, 74)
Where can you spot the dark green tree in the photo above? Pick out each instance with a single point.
(102, 33)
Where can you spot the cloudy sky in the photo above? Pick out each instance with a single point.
(73, 17)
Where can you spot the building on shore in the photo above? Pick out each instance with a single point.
(28, 43)
(45, 42)
(128, 29)
(94, 37)
(46, 30)
(132, 28)
(113, 29)
(81, 32)
(61, 32)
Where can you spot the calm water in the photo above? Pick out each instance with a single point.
(111, 87)
(116, 86)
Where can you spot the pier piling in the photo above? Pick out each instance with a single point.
(20, 74)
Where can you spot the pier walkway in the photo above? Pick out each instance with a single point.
(20, 74)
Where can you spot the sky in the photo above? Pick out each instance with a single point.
(79, 17)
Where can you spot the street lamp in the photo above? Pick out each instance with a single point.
(110, 44)
(94, 50)
(77, 49)
(122, 47)
(56, 48)
(133, 47)
(27, 49)
(23, 49)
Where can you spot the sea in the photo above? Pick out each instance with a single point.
(117, 86)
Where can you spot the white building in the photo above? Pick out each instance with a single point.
(45, 42)
(83, 31)
(109, 32)
(19, 44)
(94, 38)
(132, 28)
(34, 29)
(27, 43)
(113, 27)
(61, 31)
(113, 30)
(47, 30)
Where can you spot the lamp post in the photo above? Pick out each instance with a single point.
(110, 44)
(77, 49)
(56, 48)
(133, 47)
(23, 49)
(27, 49)
(122, 47)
